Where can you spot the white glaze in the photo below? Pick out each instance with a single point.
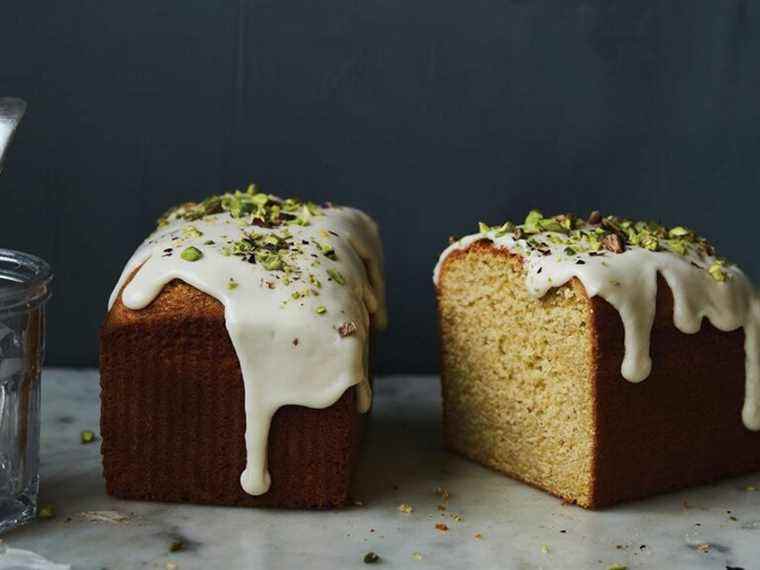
(628, 281)
(263, 319)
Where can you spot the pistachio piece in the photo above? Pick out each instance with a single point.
(483, 228)
(336, 276)
(87, 436)
(531, 224)
(347, 329)
(717, 270)
(678, 231)
(320, 310)
(191, 254)
(613, 243)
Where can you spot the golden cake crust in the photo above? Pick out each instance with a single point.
(681, 426)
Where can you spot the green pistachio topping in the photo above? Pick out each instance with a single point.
(46, 511)
(191, 232)
(602, 235)
(336, 276)
(191, 254)
(87, 437)
(320, 310)
(250, 206)
(232, 284)
(718, 270)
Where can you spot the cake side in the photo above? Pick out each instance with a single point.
(516, 372)
(680, 427)
(671, 331)
(173, 418)
(295, 289)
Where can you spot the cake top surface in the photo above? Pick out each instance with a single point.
(619, 260)
(298, 282)
(569, 237)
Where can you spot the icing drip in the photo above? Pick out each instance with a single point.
(628, 281)
(286, 330)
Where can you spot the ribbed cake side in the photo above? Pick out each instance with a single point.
(681, 426)
(173, 421)
(531, 405)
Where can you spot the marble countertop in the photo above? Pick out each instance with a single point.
(493, 522)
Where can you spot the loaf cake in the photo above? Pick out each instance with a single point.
(575, 357)
(235, 354)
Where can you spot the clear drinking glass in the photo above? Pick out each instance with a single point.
(24, 290)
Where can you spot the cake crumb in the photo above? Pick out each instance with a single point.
(443, 493)
(171, 565)
(545, 548)
(704, 548)
(457, 517)
(405, 508)
(416, 556)
(113, 517)
(87, 436)
(177, 546)
(442, 527)
(371, 558)
(477, 536)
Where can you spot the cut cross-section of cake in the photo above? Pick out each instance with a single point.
(601, 360)
(235, 354)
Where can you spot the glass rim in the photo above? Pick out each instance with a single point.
(24, 280)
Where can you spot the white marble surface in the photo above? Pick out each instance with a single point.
(403, 463)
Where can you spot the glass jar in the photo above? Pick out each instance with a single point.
(24, 290)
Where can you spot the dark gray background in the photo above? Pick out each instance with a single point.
(430, 115)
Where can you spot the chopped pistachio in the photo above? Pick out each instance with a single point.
(617, 567)
(191, 232)
(405, 508)
(718, 270)
(191, 254)
(678, 231)
(416, 555)
(327, 250)
(678, 246)
(650, 242)
(46, 511)
(570, 251)
(336, 276)
(347, 329)
(232, 284)
(483, 228)
(613, 243)
(530, 226)
(87, 436)
(269, 260)
(320, 310)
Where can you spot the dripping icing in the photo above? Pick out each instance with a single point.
(263, 318)
(628, 281)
